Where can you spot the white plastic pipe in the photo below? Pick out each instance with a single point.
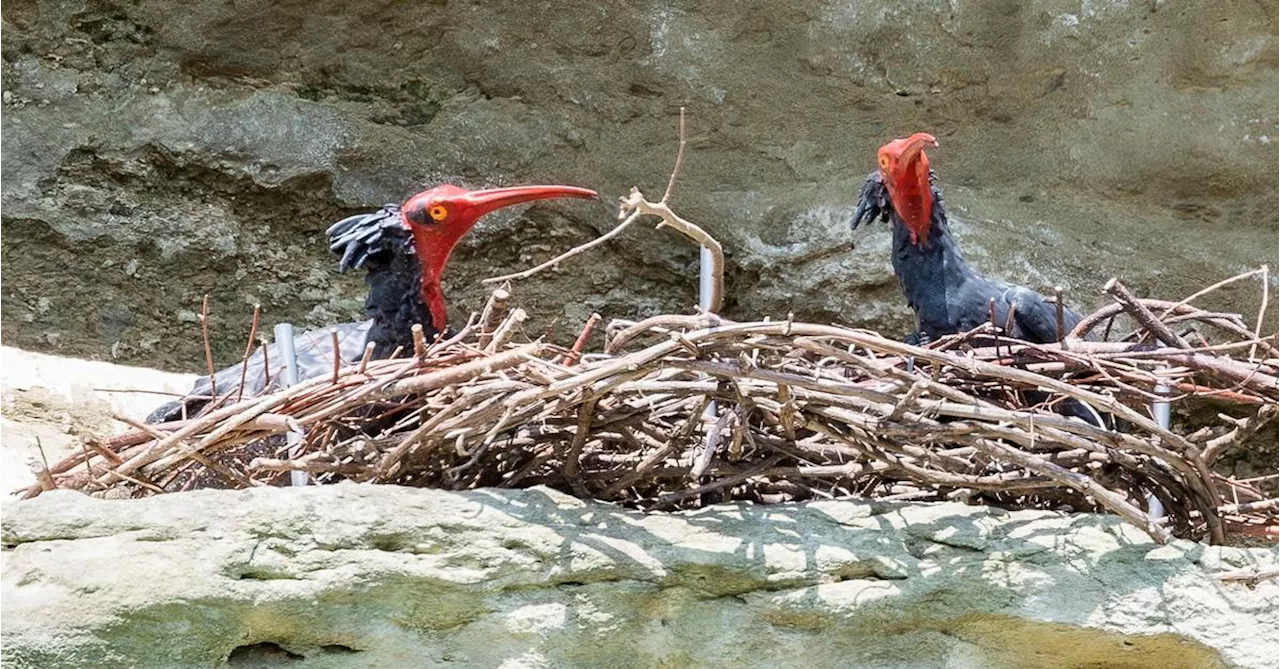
(289, 377)
(706, 283)
(1160, 410)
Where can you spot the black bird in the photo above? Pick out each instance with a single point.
(946, 294)
(404, 250)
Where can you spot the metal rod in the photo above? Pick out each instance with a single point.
(1160, 410)
(289, 377)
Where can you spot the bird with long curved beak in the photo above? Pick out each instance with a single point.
(404, 249)
(946, 294)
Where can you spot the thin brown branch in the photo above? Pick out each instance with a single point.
(1262, 308)
(337, 353)
(494, 311)
(581, 342)
(208, 349)
(419, 341)
(1144, 316)
(617, 230)
(248, 351)
(675, 170)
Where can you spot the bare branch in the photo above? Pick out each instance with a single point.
(675, 170)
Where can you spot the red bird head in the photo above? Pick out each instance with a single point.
(905, 169)
(441, 216)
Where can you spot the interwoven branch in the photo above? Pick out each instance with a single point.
(804, 411)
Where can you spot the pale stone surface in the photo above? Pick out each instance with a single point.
(48, 402)
(381, 576)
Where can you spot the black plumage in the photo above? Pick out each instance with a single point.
(404, 250)
(378, 243)
(946, 294)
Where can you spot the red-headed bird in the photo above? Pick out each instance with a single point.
(404, 250)
(946, 294)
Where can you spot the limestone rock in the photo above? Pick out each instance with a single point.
(362, 576)
(48, 403)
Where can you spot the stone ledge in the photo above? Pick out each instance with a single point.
(353, 575)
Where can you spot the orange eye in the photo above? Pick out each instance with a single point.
(438, 212)
(884, 162)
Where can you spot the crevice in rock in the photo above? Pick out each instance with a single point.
(262, 654)
(390, 543)
(248, 572)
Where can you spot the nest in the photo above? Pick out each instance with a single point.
(682, 411)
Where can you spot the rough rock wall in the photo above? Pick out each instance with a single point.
(156, 150)
(381, 576)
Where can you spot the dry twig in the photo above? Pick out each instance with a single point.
(805, 411)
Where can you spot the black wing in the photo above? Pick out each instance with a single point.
(365, 241)
(362, 238)
(1036, 318)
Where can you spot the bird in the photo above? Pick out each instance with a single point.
(947, 295)
(404, 249)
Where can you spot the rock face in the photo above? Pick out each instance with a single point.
(157, 151)
(380, 576)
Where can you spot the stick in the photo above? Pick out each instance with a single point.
(617, 230)
(1210, 289)
(635, 203)
(1262, 309)
(419, 341)
(248, 350)
(581, 342)
(1144, 316)
(208, 350)
(337, 357)
(1249, 574)
(722, 483)
(1245, 428)
(266, 365)
(492, 315)
(506, 331)
(1059, 312)
(368, 355)
(586, 412)
(43, 476)
(675, 170)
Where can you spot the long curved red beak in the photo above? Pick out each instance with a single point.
(905, 169)
(477, 203)
(435, 243)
